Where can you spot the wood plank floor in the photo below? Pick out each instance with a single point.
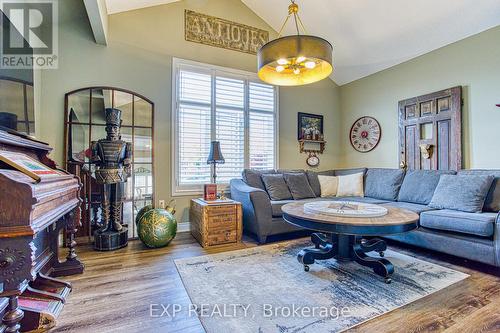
(116, 290)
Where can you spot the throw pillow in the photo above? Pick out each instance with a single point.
(252, 177)
(328, 185)
(350, 185)
(419, 185)
(463, 193)
(383, 184)
(312, 176)
(299, 186)
(276, 186)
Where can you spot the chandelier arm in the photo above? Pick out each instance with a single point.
(283, 26)
(301, 24)
(296, 24)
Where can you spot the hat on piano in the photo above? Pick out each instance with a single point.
(113, 116)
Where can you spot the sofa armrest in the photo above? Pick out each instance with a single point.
(496, 240)
(257, 212)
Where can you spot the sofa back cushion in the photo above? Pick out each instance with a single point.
(419, 185)
(312, 176)
(346, 172)
(299, 185)
(465, 193)
(350, 185)
(276, 186)
(252, 177)
(492, 202)
(383, 183)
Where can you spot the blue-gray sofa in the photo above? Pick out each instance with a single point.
(474, 236)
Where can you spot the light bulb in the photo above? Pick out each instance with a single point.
(296, 71)
(282, 61)
(300, 59)
(280, 68)
(310, 64)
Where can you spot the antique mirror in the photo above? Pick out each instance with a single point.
(84, 123)
(17, 104)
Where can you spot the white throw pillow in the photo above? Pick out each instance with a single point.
(350, 185)
(328, 185)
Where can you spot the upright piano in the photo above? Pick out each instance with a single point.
(33, 216)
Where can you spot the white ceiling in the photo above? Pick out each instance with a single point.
(117, 6)
(371, 35)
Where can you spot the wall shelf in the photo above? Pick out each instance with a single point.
(319, 143)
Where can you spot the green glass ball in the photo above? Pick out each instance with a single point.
(157, 228)
(141, 213)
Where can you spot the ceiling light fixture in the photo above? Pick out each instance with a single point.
(297, 59)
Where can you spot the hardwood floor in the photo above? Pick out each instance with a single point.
(116, 290)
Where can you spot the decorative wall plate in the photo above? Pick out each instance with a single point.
(345, 209)
(312, 160)
(365, 134)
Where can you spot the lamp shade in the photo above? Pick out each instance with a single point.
(215, 156)
(295, 60)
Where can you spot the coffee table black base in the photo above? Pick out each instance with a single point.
(348, 247)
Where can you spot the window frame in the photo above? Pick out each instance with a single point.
(214, 71)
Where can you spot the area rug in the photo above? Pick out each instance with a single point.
(265, 289)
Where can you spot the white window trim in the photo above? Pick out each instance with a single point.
(177, 63)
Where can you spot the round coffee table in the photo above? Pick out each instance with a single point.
(350, 238)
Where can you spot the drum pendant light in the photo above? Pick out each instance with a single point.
(297, 59)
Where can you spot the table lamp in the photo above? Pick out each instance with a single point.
(215, 157)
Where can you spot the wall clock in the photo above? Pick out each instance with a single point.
(365, 134)
(312, 160)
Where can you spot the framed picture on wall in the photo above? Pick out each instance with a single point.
(309, 126)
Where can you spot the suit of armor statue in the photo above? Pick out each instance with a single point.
(112, 158)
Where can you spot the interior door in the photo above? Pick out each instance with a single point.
(430, 131)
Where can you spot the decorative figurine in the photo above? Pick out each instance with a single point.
(113, 159)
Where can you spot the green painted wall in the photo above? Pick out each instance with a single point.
(473, 63)
(139, 58)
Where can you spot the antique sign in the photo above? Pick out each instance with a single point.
(214, 31)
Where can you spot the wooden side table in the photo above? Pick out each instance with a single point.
(216, 223)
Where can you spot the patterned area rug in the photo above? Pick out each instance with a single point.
(265, 289)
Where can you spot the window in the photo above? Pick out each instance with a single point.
(230, 106)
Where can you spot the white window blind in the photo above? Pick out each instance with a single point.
(233, 107)
(262, 126)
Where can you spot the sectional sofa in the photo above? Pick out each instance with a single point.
(475, 236)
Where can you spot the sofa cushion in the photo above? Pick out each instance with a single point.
(362, 199)
(492, 202)
(276, 186)
(329, 185)
(478, 224)
(312, 176)
(252, 177)
(465, 193)
(383, 183)
(299, 186)
(345, 172)
(419, 185)
(277, 204)
(350, 185)
(290, 171)
(416, 208)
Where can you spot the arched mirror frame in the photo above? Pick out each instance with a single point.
(79, 164)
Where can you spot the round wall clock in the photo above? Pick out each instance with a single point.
(365, 134)
(312, 160)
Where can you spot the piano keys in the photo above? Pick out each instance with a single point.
(32, 217)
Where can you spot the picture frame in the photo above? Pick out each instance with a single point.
(310, 126)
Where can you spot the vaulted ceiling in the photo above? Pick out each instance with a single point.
(369, 36)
